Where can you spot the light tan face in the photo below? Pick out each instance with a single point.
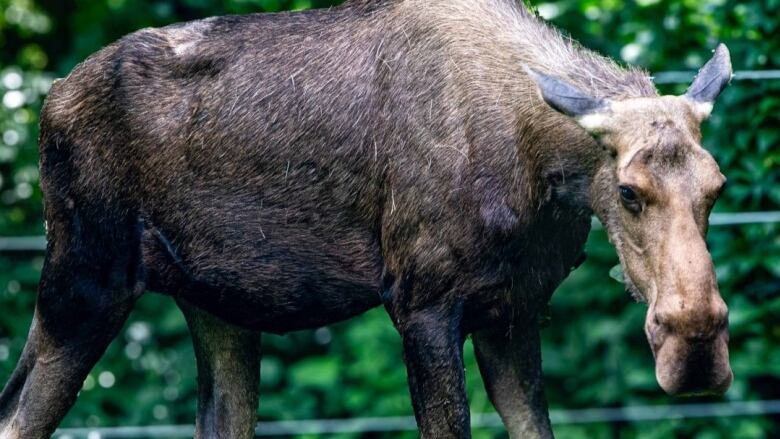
(665, 185)
(655, 196)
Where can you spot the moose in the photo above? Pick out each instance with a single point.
(440, 158)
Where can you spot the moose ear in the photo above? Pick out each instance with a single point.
(710, 82)
(588, 111)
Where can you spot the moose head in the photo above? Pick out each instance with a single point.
(654, 195)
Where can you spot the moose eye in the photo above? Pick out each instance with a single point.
(629, 198)
(627, 194)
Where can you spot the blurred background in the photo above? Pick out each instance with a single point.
(595, 353)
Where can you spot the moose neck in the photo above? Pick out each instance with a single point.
(474, 53)
(556, 158)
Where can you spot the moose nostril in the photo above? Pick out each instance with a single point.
(665, 319)
(721, 315)
(722, 320)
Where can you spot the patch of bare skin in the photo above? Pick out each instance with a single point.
(184, 39)
(11, 431)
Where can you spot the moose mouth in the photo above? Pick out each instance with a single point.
(691, 366)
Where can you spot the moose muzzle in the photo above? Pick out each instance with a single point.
(691, 353)
(687, 323)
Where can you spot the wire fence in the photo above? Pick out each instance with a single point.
(683, 77)
(397, 424)
(480, 421)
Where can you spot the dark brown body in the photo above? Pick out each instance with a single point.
(287, 192)
(284, 172)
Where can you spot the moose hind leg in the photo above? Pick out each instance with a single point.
(91, 278)
(228, 361)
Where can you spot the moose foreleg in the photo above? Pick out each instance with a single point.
(228, 360)
(433, 351)
(509, 359)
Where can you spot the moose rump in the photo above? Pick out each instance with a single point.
(240, 210)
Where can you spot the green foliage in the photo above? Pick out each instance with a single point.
(594, 348)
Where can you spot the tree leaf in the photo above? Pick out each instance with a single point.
(616, 273)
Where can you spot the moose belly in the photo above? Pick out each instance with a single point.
(278, 279)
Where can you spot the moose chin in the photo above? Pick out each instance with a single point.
(439, 158)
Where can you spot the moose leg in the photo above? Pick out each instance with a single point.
(228, 360)
(510, 362)
(433, 351)
(88, 286)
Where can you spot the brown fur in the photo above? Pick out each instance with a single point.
(284, 172)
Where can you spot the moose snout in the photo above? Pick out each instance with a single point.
(695, 322)
(690, 344)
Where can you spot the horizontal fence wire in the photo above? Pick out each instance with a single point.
(716, 219)
(38, 243)
(22, 243)
(681, 77)
(407, 423)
